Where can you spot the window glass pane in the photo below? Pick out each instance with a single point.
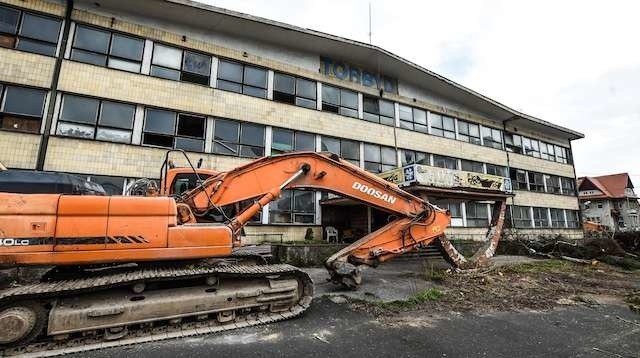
(229, 86)
(284, 203)
(165, 73)
(436, 120)
(190, 126)
(307, 103)
(88, 57)
(9, 20)
(75, 130)
(387, 109)
(419, 116)
(158, 140)
(252, 134)
(113, 135)
(331, 145)
(372, 167)
(371, 153)
(197, 63)
(448, 123)
(349, 99)
(305, 142)
(284, 83)
(282, 140)
(251, 152)
(255, 92)
(370, 105)
(230, 71)
(406, 113)
(472, 166)
(159, 121)
(127, 47)
(91, 39)
(40, 27)
(407, 157)
(306, 88)
(117, 115)
(387, 121)
(227, 130)
(389, 156)
(255, 77)
(36, 47)
(225, 148)
(124, 65)
(330, 95)
(350, 149)
(303, 201)
(167, 56)
(80, 109)
(24, 101)
(189, 144)
(7, 41)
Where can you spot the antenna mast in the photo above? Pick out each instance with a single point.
(369, 22)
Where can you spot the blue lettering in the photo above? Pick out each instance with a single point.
(326, 64)
(368, 79)
(354, 75)
(340, 70)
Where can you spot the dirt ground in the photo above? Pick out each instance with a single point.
(536, 285)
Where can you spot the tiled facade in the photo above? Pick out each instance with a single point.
(136, 160)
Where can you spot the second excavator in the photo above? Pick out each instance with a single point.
(136, 269)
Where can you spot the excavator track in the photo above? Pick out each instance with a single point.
(282, 298)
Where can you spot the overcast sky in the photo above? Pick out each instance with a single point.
(574, 63)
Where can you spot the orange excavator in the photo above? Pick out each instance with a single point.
(131, 269)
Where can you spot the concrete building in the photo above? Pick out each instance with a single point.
(609, 200)
(102, 89)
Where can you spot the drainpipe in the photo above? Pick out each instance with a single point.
(576, 191)
(44, 143)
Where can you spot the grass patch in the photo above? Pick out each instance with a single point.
(429, 294)
(435, 275)
(540, 266)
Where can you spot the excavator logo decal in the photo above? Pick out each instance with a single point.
(373, 192)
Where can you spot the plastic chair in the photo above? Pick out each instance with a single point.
(332, 232)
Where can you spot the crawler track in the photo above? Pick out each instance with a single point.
(48, 291)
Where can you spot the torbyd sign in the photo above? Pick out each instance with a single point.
(348, 72)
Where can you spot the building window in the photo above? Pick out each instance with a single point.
(347, 149)
(468, 132)
(518, 179)
(442, 161)
(339, 100)
(492, 137)
(547, 152)
(286, 140)
(293, 207)
(557, 217)
(472, 166)
(238, 138)
(379, 159)
(513, 143)
(521, 216)
(540, 217)
(103, 48)
(561, 155)
(568, 186)
(294, 90)
(378, 111)
(454, 207)
(573, 219)
(241, 78)
(443, 126)
(413, 157)
(180, 65)
(413, 118)
(91, 118)
(531, 147)
(477, 214)
(553, 184)
(536, 182)
(21, 108)
(174, 130)
(498, 170)
(28, 32)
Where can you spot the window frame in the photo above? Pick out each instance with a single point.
(352, 160)
(238, 141)
(569, 190)
(535, 184)
(476, 214)
(573, 219)
(291, 195)
(414, 153)
(520, 219)
(468, 137)
(552, 183)
(378, 117)
(497, 170)
(516, 181)
(279, 96)
(446, 159)
(491, 142)
(511, 144)
(19, 26)
(294, 139)
(412, 124)
(108, 54)
(339, 108)
(180, 71)
(540, 217)
(28, 118)
(473, 164)
(444, 133)
(383, 166)
(175, 134)
(557, 222)
(242, 84)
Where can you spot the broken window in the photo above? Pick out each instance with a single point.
(477, 214)
(561, 154)
(513, 143)
(442, 126)
(294, 90)
(180, 65)
(286, 140)
(169, 129)
(347, 149)
(21, 108)
(557, 217)
(241, 78)
(29, 32)
(536, 182)
(568, 186)
(521, 216)
(492, 137)
(104, 48)
(413, 157)
(468, 132)
(498, 170)
(553, 184)
(238, 138)
(518, 179)
(442, 161)
(547, 151)
(540, 217)
(472, 166)
(90, 118)
(379, 159)
(531, 147)
(293, 207)
(340, 101)
(413, 118)
(378, 111)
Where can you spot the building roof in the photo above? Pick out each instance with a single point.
(612, 186)
(234, 23)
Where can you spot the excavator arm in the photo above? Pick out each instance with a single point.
(417, 222)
